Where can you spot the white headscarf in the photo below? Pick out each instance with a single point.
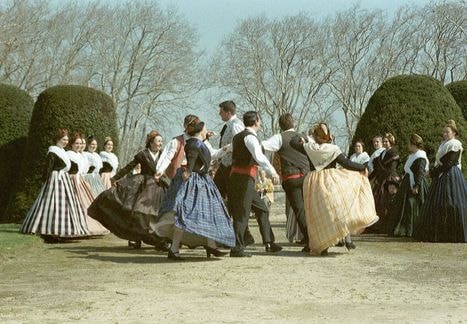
(447, 146)
(411, 159)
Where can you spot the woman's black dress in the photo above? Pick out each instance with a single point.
(384, 173)
(444, 214)
(129, 208)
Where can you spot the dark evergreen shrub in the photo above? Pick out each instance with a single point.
(409, 104)
(76, 108)
(458, 90)
(15, 113)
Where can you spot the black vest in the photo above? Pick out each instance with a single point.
(292, 161)
(240, 154)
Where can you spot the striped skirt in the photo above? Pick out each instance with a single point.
(95, 181)
(444, 214)
(198, 209)
(56, 211)
(338, 202)
(85, 196)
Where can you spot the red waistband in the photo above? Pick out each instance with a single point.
(292, 176)
(250, 170)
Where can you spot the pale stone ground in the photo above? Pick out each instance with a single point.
(102, 280)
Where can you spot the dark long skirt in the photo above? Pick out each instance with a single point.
(405, 211)
(444, 214)
(196, 207)
(129, 209)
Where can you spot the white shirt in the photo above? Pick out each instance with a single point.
(233, 127)
(252, 144)
(171, 149)
(274, 143)
(361, 158)
(168, 154)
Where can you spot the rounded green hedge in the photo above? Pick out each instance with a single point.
(76, 108)
(15, 111)
(409, 104)
(458, 90)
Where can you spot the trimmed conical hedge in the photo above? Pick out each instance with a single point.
(76, 108)
(458, 90)
(15, 113)
(409, 104)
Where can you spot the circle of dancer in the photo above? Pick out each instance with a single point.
(189, 194)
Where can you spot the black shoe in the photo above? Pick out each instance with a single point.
(174, 256)
(272, 247)
(249, 240)
(162, 246)
(134, 244)
(239, 254)
(216, 252)
(324, 252)
(350, 246)
(340, 243)
(306, 249)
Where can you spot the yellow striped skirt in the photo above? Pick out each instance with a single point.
(338, 202)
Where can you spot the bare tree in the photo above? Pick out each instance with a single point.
(277, 66)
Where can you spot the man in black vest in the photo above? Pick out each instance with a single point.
(246, 156)
(294, 167)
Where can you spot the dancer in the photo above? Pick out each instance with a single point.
(338, 202)
(56, 212)
(82, 189)
(246, 156)
(444, 214)
(385, 173)
(95, 164)
(132, 204)
(198, 215)
(360, 156)
(233, 125)
(405, 210)
(294, 167)
(109, 163)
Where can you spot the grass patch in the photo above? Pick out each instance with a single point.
(11, 238)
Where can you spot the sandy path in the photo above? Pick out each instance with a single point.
(102, 280)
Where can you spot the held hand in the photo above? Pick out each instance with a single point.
(365, 172)
(415, 190)
(157, 176)
(275, 179)
(210, 134)
(302, 140)
(186, 175)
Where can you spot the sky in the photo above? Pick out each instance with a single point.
(214, 19)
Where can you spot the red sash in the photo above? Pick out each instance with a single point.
(250, 170)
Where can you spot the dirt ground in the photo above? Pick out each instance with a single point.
(102, 280)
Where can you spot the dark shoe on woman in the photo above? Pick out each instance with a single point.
(306, 249)
(162, 246)
(350, 246)
(340, 243)
(239, 254)
(134, 244)
(272, 247)
(212, 251)
(174, 256)
(324, 252)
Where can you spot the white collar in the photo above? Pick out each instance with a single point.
(290, 130)
(251, 130)
(61, 153)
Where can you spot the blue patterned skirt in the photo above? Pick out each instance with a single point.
(444, 214)
(196, 207)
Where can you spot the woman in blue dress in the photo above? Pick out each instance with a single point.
(195, 214)
(444, 214)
